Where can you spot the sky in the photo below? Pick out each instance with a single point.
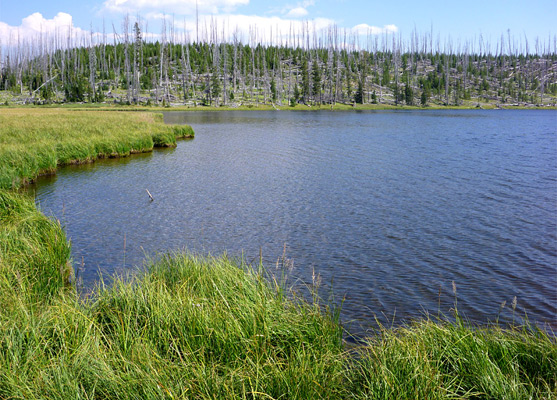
(458, 21)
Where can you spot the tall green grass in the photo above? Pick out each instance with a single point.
(186, 328)
(441, 360)
(34, 253)
(35, 141)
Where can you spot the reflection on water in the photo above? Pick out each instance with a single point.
(388, 207)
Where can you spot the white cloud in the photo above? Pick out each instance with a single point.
(297, 12)
(246, 28)
(252, 27)
(181, 7)
(365, 29)
(264, 29)
(35, 25)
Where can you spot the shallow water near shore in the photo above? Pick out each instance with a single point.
(387, 207)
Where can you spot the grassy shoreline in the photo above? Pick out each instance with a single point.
(36, 141)
(206, 327)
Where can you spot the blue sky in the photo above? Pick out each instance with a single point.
(461, 20)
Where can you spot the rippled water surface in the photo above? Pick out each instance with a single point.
(389, 208)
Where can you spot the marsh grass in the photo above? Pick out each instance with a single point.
(188, 327)
(36, 141)
(438, 359)
(34, 253)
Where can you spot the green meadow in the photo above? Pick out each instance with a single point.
(203, 327)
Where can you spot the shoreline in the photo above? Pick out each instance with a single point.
(211, 327)
(267, 107)
(37, 144)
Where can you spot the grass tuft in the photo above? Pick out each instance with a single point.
(440, 360)
(187, 327)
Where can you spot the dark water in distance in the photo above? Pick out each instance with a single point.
(387, 207)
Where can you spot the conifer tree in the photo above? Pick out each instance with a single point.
(305, 81)
(359, 96)
(316, 82)
(408, 95)
(273, 89)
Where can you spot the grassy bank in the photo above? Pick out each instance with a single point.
(188, 328)
(35, 141)
(439, 360)
(209, 328)
(34, 253)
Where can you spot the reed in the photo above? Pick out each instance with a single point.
(35, 141)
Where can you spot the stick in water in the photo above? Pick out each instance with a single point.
(151, 196)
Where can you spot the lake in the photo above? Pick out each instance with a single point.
(388, 208)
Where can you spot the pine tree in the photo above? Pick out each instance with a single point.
(273, 89)
(408, 95)
(423, 98)
(305, 81)
(316, 80)
(359, 96)
(215, 86)
(296, 95)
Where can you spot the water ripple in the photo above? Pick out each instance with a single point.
(388, 207)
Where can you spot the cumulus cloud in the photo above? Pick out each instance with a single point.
(297, 12)
(181, 7)
(246, 28)
(365, 29)
(35, 25)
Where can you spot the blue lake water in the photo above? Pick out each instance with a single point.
(387, 207)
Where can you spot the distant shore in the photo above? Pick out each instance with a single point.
(272, 107)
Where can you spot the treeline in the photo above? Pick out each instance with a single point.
(215, 72)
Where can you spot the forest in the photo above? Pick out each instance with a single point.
(312, 68)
